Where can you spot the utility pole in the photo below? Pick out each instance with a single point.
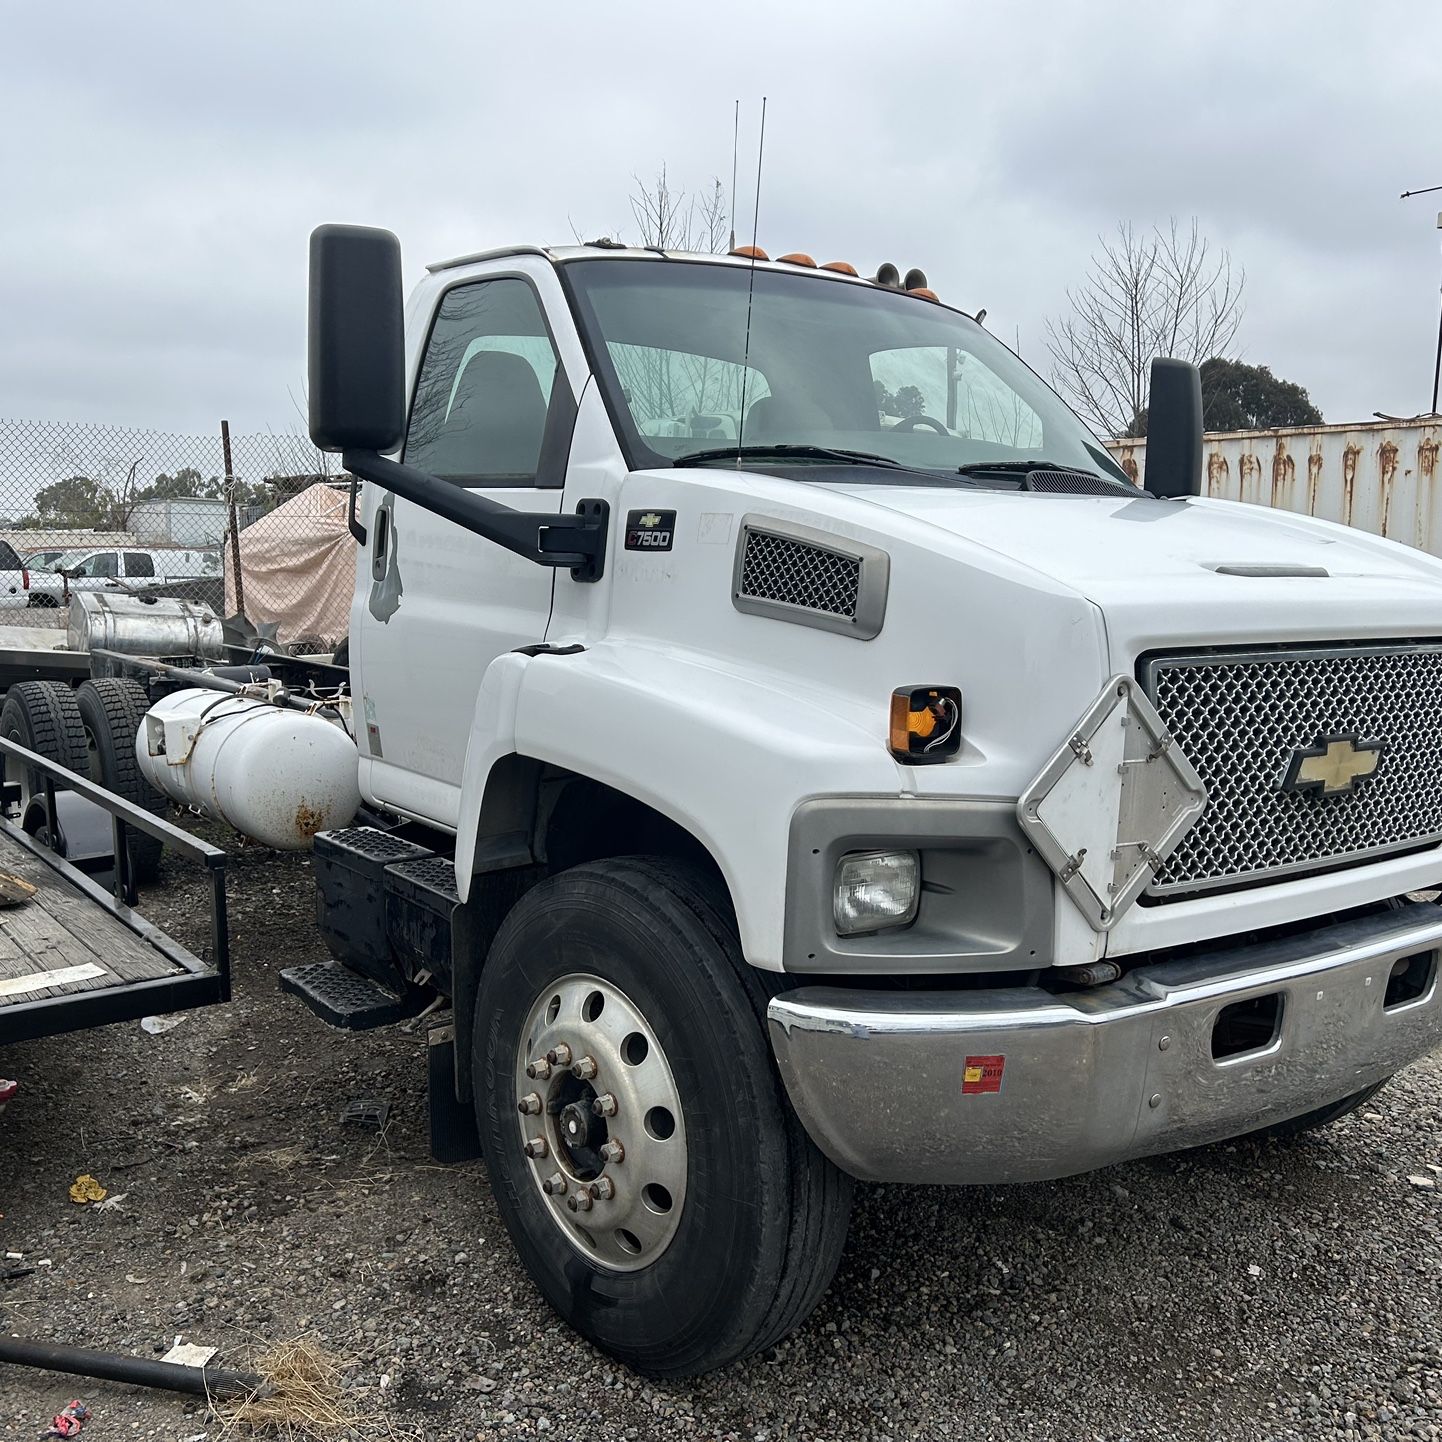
(1437, 363)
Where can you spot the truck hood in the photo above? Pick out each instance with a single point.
(1162, 570)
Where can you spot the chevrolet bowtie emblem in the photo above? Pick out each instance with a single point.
(1333, 766)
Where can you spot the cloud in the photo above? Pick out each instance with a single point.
(163, 166)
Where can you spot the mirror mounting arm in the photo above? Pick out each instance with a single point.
(544, 537)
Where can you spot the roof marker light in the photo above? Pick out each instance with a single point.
(843, 267)
(797, 257)
(751, 252)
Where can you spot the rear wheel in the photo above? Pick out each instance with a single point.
(44, 717)
(642, 1152)
(111, 710)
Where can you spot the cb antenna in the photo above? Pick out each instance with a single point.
(751, 283)
(735, 146)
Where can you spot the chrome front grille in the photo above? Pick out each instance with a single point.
(1240, 717)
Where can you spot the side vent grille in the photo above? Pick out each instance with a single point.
(792, 573)
(776, 568)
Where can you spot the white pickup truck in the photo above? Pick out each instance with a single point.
(799, 754)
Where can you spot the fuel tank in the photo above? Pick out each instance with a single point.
(276, 775)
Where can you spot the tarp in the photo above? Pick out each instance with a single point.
(297, 566)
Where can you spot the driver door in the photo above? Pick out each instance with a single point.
(492, 411)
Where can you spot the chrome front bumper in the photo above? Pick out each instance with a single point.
(1017, 1084)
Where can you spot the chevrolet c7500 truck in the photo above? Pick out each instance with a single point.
(798, 753)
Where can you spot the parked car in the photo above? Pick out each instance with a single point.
(43, 560)
(15, 577)
(128, 568)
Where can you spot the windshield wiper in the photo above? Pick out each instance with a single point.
(786, 450)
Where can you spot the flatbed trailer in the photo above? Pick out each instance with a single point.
(77, 953)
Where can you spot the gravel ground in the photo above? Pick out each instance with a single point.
(1242, 1292)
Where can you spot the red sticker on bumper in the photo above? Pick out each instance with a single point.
(982, 1074)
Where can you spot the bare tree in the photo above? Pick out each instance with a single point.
(1164, 294)
(663, 384)
(677, 219)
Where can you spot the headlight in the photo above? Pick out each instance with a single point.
(875, 889)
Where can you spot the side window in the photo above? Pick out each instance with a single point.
(138, 563)
(485, 387)
(102, 563)
(952, 386)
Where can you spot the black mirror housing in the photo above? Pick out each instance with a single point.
(1174, 430)
(356, 339)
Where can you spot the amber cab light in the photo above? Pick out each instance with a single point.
(925, 724)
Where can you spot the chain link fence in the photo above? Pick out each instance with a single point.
(250, 524)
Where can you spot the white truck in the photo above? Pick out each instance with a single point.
(796, 753)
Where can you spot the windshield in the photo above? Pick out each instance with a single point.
(828, 365)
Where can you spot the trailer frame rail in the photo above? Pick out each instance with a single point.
(199, 982)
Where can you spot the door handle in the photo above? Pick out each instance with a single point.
(381, 551)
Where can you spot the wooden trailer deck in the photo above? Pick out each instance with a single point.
(74, 954)
(60, 942)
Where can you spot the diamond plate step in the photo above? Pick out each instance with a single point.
(342, 998)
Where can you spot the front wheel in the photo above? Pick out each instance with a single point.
(1321, 1117)
(643, 1156)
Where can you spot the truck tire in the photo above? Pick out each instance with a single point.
(724, 1224)
(111, 709)
(42, 716)
(1321, 1117)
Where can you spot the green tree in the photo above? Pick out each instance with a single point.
(186, 483)
(910, 401)
(1241, 397)
(74, 503)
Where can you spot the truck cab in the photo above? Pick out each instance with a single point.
(840, 769)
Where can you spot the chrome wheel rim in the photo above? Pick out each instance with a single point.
(600, 1123)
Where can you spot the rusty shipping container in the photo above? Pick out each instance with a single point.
(1380, 476)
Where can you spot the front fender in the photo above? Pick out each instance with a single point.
(723, 756)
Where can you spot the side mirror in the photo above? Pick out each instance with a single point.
(357, 339)
(1174, 430)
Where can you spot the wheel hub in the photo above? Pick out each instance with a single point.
(600, 1122)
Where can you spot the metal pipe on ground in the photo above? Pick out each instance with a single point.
(139, 1371)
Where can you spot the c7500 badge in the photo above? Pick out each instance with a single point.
(650, 530)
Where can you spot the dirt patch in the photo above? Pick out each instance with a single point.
(1235, 1293)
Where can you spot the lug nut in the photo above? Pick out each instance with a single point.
(604, 1105)
(559, 1055)
(536, 1147)
(603, 1189)
(613, 1152)
(529, 1105)
(539, 1069)
(554, 1186)
(585, 1068)
(581, 1201)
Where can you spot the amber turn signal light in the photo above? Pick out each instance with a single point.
(925, 724)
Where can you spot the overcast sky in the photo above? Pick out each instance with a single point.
(162, 166)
